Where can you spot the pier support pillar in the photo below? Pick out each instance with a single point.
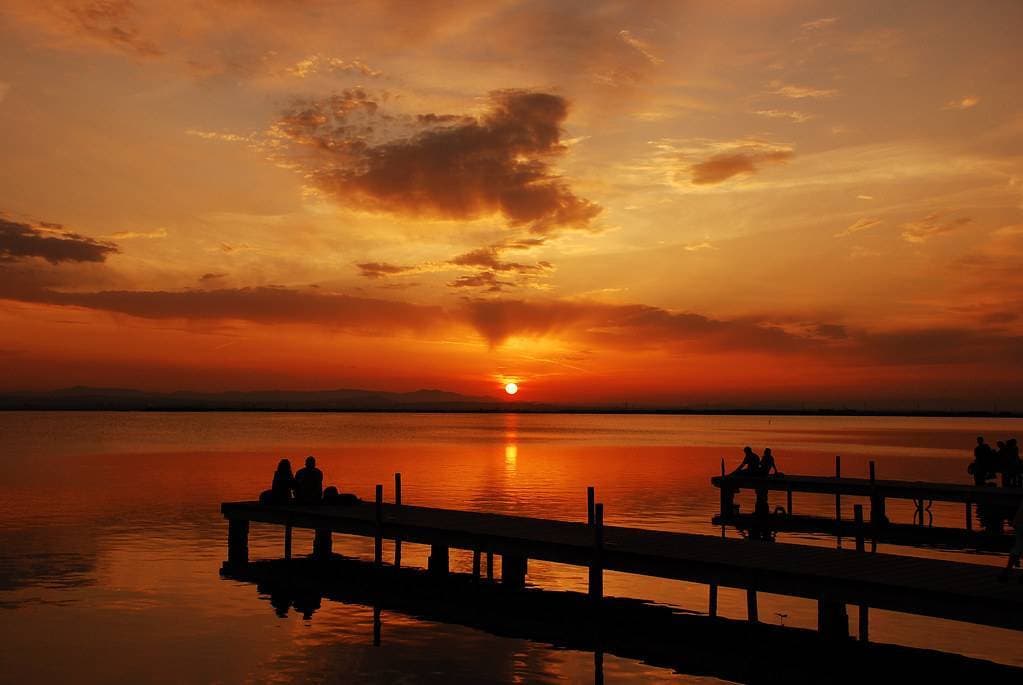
(237, 542)
(752, 613)
(476, 565)
(323, 545)
(712, 604)
(832, 619)
(490, 565)
(438, 562)
(513, 571)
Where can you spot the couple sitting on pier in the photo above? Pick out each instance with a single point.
(756, 465)
(304, 487)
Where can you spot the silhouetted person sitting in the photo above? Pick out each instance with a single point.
(1017, 549)
(767, 464)
(750, 462)
(309, 483)
(282, 486)
(983, 462)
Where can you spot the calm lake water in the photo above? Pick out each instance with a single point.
(111, 537)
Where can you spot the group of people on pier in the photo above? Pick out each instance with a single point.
(303, 487)
(988, 462)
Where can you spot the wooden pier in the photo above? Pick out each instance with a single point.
(832, 577)
(922, 494)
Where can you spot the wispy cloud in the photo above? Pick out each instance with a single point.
(130, 235)
(861, 224)
(639, 46)
(791, 115)
(798, 92)
(315, 64)
(965, 102)
(932, 225)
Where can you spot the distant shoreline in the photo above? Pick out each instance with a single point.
(523, 410)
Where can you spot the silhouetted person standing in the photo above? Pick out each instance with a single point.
(750, 462)
(283, 483)
(309, 483)
(1012, 468)
(983, 458)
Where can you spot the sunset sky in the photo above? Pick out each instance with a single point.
(674, 203)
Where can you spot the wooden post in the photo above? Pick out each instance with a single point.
(712, 609)
(237, 541)
(832, 619)
(838, 497)
(596, 565)
(788, 500)
(476, 565)
(513, 571)
(864, 623)
(438, 561)
(323, 544)
(287, 542)
(377, 623)
(872, 475)
(858, 517)
(589, 505)
(969, 516)
(490, 565)
(878, 516)
(378, 546)
(397, 503)
(751, 606)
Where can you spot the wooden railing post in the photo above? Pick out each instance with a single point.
(287, 542)
(589, 505)
(596, 565)
(864, 610)
(397, 503)
(378, 546)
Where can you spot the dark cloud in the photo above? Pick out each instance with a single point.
(490, 258)
(18, 241)
(439, 166)
(206, 278)
(374, 270)
(483, 279)
(724, 166)
(267, 305)
(623, 326)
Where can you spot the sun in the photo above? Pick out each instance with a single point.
(511, 388)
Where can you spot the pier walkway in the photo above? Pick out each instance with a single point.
(832, 577)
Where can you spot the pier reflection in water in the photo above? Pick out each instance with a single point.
(113, 540)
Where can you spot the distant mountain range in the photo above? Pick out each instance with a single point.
(83, 398)
(428, 400)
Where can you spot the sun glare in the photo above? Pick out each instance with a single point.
(511, 388)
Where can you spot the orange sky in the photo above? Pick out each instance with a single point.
(682, 203)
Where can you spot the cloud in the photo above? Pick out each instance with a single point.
(818, 24)
(375, 270)
(489, 258)
(967, 102)
(696, 247)
(210, 277)
(265, 305)
(438, 166)
(114, 24)
(861, 224)
(795, 92)
(314, 64)
(742, 159)
(49, 242)
(218, 135)
(131, 235)
(931, 225)
(640, 47)
(797, 117)
(487, 280)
